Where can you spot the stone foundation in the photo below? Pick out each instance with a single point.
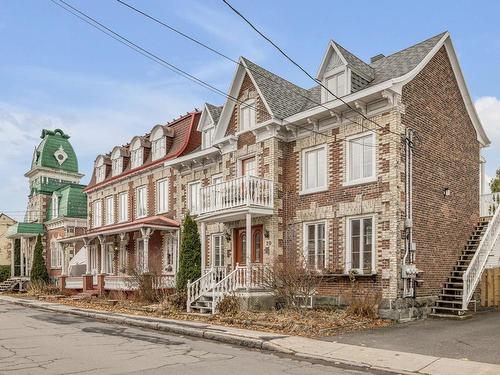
(405, 309)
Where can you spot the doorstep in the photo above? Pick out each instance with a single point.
(300, 347)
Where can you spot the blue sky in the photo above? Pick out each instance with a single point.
(56, 71)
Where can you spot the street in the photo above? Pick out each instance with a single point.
(42, 342)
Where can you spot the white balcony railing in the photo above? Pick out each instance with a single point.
(488, 203)
(239, 192)
(125, 282)
(74, 282)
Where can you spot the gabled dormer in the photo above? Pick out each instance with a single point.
(208, 123)
(342, 73)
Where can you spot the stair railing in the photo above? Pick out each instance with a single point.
(476, 266)
(203, 284)
(234, 280)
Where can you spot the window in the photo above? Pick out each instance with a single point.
(141, 208)
(117, 166)
(361, 159)
(194, 197)
(159, 148)
(248, 167)
(136, 158)
(122, 207)
(100, 173)
(247, 115)
(361, 252)
(122, 259)
(55, 255)
(314, 170)
(139, 255)
(315, 245)
(109, 259)
(208, 135)
(336, 84)
(169, 253)
(55, 206)
(109, 205)
(97, 214)
(162, 196)
(218, 250)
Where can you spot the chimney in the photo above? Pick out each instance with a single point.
(377, 57)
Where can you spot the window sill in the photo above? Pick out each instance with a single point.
(360, 181)
(313, 191)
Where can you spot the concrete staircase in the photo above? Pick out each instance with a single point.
(10, 284)
(203, 305)
(449, 304)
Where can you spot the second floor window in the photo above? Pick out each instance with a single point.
(109, 210)
(158, 148)
(361, 159)
(247, 115)
(314, 170)
(97, 214)
(162, 196)
(141, 202)
(194, 197)
(136, 157)
(122, 207)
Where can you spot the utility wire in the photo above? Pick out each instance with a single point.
(128, 43)
(301, 68)
(217, 52)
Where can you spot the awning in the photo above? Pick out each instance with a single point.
(153, 222)
(19, 230)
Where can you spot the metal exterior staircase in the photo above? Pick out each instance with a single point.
(452, 302)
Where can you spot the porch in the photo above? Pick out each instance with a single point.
(26, 233)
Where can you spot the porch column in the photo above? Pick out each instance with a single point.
(12, 258)
(203, 246)
(22, 257)
(248, 247)
(103, 254)
(146, 233)
(63, 255)
(86, 243)
(122, 251)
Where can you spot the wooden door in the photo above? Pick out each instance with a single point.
(240, 238)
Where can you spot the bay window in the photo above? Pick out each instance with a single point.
(314, 170)
(361, 240)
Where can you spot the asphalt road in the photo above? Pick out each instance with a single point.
(40, 342)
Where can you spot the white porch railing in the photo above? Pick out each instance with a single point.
(74, 282)
(125, 282)
(210, 277)
(477, 265)
(488, 204)
(238, 192)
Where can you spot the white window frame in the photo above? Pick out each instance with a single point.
(136, 157)
(348, 258)
(208, 136)
(305, 240)
(97, 213)
(55, 206)
(303, 173)
(348, 181)
(139, 212)
(248, 106)
(193, 210)
(221, 250)
(334, 73)
(162, 203)
(116, 166)
(55, 255)
(159, 148)
(109, 204)
(122, 210)
(242, 159)
(109, 258)
(100, 173)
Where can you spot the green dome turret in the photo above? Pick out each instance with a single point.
(55, 152)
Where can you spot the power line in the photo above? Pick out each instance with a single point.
(300, 67)
(128, 43)
(206, 46)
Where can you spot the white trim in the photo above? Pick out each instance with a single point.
(303, 167)
(119, 219)
(239, 163)
(221, 246)
(348, 254)
(347, 166)
(167, 189)
(326, 58)
(97, 219)
(305, 238)
(145, 188)
(109, 219)
(188, 197)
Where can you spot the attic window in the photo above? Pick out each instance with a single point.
(247, 115)
(100, 170)
(208, 135)
(116, 162)
(158, 144)
(336, 84)
(136, 154)
(55, 206)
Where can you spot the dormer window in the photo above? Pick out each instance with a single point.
(158, 143)
(116, 162)
(55, 206)
(136, 153)
(208, 136)
(247, 115)
(100, 170)
(336, 84)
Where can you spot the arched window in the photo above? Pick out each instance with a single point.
(136, 153)
(116, 162)
(158, 143)
(100, 169)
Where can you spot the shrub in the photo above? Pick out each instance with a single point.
(361, 303)
(176, 301)
(190, 254)
(39, 268)
(229, 305)
(4, 273)
(41, 287)
(148, 287)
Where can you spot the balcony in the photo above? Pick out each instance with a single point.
(242, 194)
(489, 204)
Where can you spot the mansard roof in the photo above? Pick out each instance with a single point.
(55, 152)
(72, 202)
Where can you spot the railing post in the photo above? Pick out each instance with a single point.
(188, 302)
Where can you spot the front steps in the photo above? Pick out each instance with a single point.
(11, 284)
(449, 303)
(203, 305)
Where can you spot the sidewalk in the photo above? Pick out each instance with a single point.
(300, 347)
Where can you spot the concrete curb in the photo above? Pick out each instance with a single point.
(299, 347)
